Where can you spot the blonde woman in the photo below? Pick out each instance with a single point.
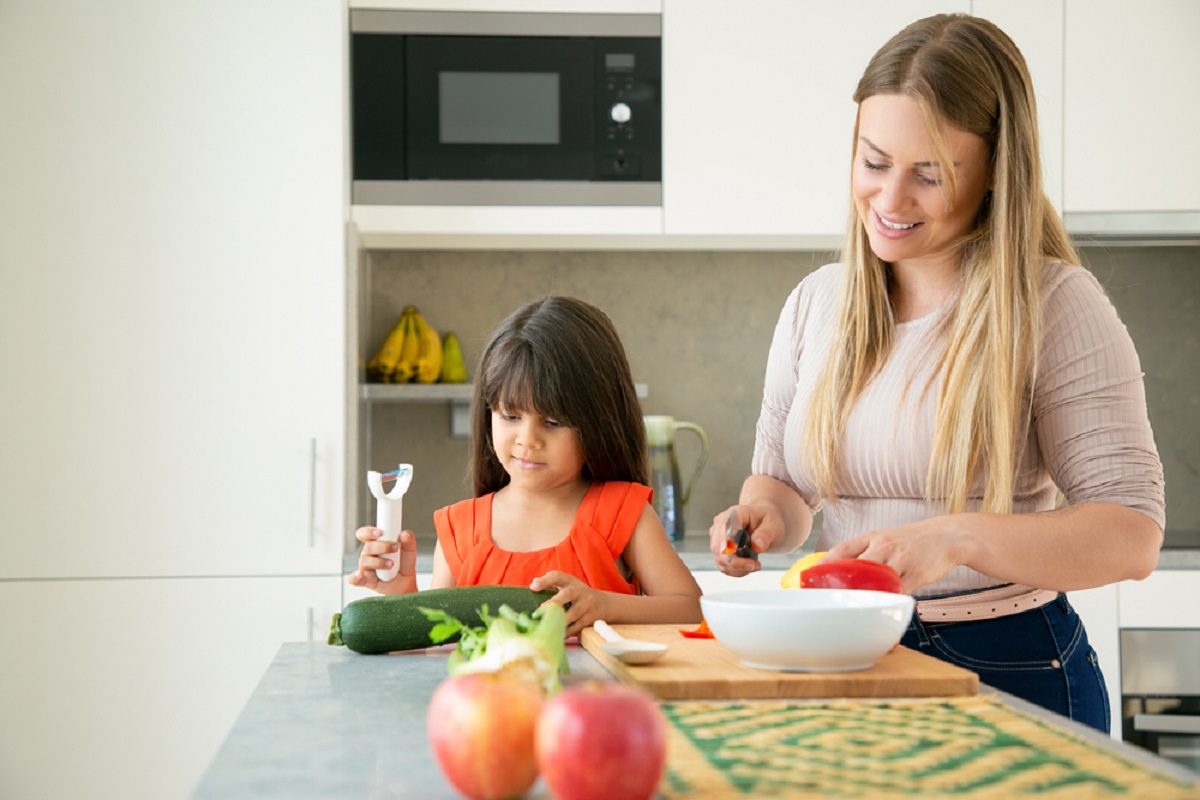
(933, 392)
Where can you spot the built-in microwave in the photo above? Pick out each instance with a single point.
(482, 108)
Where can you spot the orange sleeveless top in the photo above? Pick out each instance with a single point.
(603, 525)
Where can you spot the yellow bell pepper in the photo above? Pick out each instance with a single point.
(791, 578)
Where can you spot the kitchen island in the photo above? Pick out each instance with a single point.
(325, 722)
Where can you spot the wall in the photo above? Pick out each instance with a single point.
(1157, 293)
(697, 325)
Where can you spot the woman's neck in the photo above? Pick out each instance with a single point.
(919, 288)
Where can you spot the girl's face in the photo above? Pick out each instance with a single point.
(537, 452)
(897, 182)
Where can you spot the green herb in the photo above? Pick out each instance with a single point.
(528, 645)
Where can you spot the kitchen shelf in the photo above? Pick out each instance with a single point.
(457, 394)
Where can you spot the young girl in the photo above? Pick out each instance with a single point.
(559, 471)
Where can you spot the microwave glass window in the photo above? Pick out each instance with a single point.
(498, 108)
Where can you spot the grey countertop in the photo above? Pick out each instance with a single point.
(325, 722)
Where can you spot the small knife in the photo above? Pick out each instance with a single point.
(737, 538)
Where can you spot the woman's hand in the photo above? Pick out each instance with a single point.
(921, 552)
(584, 605)
(377, 554)
(766, 529)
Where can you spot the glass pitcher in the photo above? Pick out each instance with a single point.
(670, 494)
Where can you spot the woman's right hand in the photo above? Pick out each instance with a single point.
(378, 554)
(765, 527)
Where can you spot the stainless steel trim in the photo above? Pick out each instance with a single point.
(1134, 227)
(1160, 662)
(506, 193)
(1166, 723)
(484, 23)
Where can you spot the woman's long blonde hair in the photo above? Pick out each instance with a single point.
(965, 71)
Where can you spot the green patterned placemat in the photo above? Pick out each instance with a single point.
(970, 747)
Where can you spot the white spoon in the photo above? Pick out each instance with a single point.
(629, 651)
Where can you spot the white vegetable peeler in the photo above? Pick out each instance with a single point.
(388, 508)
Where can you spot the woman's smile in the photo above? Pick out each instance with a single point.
(894, 229)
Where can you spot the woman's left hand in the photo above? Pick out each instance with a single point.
(921, 552)
(584, 605)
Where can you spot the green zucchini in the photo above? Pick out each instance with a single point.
(395, 622)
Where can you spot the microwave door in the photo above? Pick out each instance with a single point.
(499, 108)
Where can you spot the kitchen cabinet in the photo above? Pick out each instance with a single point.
(1036, 27)
(1130, 110)
(757, 135)
(172, 335)
(126, 688)
(173, 312)
(758, 114)
(1166, 599)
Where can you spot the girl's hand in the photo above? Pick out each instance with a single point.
(921, 552)
(376, 554)
(584, 605)
(766, 528)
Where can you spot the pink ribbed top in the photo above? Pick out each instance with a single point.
(1091, 435)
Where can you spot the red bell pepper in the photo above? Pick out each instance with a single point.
(701, 632)
(852, 573)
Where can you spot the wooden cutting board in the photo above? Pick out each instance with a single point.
(704, 669)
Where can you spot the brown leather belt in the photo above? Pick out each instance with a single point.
(987, 604)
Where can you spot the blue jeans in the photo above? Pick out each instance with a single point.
(1041, 655)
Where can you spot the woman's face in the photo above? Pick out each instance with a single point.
(897, 182)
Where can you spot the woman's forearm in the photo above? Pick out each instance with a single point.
(772, 495)
(1076, 547)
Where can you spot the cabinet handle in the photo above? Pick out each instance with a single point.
(310, 624)
(312, 494)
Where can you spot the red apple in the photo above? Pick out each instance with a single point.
(602, 741)
(482, 727)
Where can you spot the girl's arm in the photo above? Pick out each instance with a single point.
(442, 577)
(671, 594)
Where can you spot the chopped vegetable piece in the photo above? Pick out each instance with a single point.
(701, 632)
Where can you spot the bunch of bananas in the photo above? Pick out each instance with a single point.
(413, 351)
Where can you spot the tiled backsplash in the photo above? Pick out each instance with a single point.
(696, 326)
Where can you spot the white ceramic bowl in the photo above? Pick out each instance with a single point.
(808, 630)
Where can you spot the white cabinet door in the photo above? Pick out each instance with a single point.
(1036, 27)
(1167, 599)
(1131, 113)
(126, 688)
(758, 114)
(172, 315)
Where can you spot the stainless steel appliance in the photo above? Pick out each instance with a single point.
(1160, 688)
(484, 108)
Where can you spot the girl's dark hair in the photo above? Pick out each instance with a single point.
(560, 357)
